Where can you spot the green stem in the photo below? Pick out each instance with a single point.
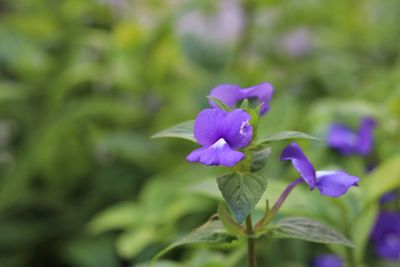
(350, 257)
(251, 257)
(271, 213)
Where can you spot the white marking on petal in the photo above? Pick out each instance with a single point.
(220, 143)
(324, 173)
(352, 140)
(244, 128)
(392, 239)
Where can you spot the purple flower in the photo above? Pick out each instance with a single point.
(221, 134)
(328, 260)
(329, 183)
(386, 235)
(297, 43)
(230, 94)
(349, 142)
(388, 197)
(222, 27)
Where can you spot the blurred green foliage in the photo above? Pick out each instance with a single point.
(83, 84)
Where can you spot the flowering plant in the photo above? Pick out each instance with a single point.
(348, 142)
(227, 134)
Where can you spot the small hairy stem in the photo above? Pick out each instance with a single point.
(251, 257)
(268, 217)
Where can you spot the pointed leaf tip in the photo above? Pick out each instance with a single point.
(182, 130)
(283, 136)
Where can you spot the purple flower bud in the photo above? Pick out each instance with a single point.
(329, 183)
(328, 260)
(386, 235)
(231, 94)
(221, 134)
(349, 142)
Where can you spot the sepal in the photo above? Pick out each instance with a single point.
(219, 103)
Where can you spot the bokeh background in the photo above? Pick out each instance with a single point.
(85, 83)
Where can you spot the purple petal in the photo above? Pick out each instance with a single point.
(218, 154)
(335, 183)
(389, 248)
(229, 94)
(387, 222)
(343, 139)
(386, 235)
(208, 126)
(263, 92)
(365, 135)
(294, 153)
(328, 260)
(237, 130)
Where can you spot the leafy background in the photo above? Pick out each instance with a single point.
(83, 84)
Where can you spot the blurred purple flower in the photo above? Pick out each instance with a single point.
(297, 43)
(223, 27)
(388, 197)
(348, 142)
(386, 235)
(230, 94)
(328, 260)
(221, 134)
(329, 183)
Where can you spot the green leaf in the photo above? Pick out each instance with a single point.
(212, 232)
(309, 230)
(118, 217)
(227, 220)
(383, 179)
(182, 130)
(242, 191)
(219, 103)
(132, 242)
(91, 252)
(259, 159)
(283, 136)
